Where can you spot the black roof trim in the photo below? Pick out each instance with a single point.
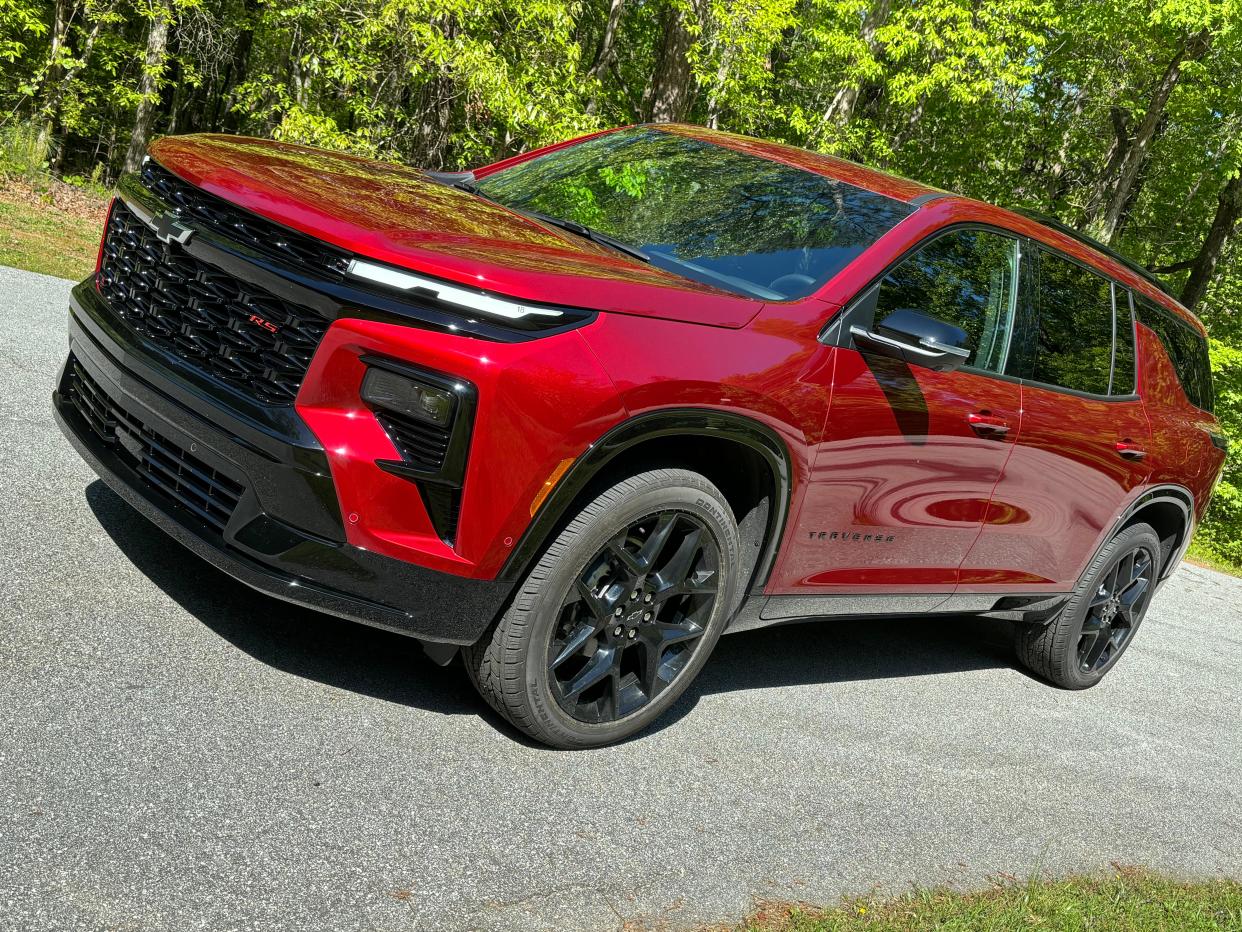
(929, 196)
(1095, 244)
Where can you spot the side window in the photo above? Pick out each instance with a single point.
(965, 278)
(1074, 345)
(1123, 355)
(1187, 351)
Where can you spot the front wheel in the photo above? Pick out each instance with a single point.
(619, 614)
(1100, 620)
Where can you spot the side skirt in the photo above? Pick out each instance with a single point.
(759, 611)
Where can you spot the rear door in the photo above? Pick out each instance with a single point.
(1085, 434)
(902, 479)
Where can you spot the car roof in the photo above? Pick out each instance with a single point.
(915, 193)
(870, 179)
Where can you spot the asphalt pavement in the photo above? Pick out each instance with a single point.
(177, 752)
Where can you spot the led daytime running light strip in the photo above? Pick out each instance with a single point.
(470, 300)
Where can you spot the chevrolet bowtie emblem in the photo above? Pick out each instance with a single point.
(169, 230)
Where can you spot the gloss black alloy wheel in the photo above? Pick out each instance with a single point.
(633, 617)
(1115, 611)
(618, 615)
(1099, 622)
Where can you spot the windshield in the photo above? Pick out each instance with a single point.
(735, 221)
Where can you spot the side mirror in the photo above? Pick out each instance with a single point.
(917, 339)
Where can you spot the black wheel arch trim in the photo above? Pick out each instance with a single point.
(668, 422)
(1176, 495)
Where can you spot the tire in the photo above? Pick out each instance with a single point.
(561, 628)
(1078, 647)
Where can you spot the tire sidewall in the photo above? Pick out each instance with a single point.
(588, 534)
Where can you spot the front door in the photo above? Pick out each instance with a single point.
(902, 480)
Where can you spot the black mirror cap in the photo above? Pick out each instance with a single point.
(916, 326)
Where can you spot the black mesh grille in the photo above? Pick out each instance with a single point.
(422, 444)
(237, 332)
(206, 210)
(181, 476)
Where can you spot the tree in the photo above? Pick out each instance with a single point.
(160, 16)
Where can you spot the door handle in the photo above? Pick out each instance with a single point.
(986, 424)
(1130, 450)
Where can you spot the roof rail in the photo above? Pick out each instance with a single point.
(1061, 227)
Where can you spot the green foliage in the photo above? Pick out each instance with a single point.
(1221, 533)
(1127, 901)
(1074, 108)
(21, 153)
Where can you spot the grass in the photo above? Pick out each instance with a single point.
(1126, 900)
(46, 228)
(46, 225)
(1203, 556)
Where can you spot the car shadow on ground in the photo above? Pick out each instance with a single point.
(394, 668)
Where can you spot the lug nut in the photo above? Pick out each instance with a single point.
(632, 634)
(634, 594)
(619, 611)
(647, 597)
(646, 616)
(617, 630)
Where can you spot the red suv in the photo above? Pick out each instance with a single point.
(578, 413)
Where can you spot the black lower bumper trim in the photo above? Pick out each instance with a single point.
(263, 551)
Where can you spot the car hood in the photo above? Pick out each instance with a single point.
(398, 215)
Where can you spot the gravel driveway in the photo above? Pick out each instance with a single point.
(179, 753)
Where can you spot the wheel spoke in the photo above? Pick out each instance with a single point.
(1093, 622)
(677, 569)
(598, 667)
(1111, 586)
(663, 634)
(575, 642)
(633, 564)
(1133, 592)
(656, 540)
(1098, 645)
(704, 586)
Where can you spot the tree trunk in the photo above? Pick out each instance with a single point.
(1228, 210)
(60, 31)
(1139, 147)
(669, 94)
(841, 108)
(223, 115)
(606, 55)
(148, 88)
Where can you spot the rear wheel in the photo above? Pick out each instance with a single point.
(1098, 623)
(619, 614)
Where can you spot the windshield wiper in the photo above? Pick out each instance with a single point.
(594, 236)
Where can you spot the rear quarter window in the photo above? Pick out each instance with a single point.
(1187, 351)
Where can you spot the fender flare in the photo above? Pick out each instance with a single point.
(667, 422)
(1176, 495)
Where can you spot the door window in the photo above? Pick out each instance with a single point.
(965, 278)
(1074, 342)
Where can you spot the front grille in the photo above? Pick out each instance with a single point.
(176, 472)
(424, 445)
(237, 332)
(286, 246)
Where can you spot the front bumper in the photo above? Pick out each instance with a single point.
(174, 453)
